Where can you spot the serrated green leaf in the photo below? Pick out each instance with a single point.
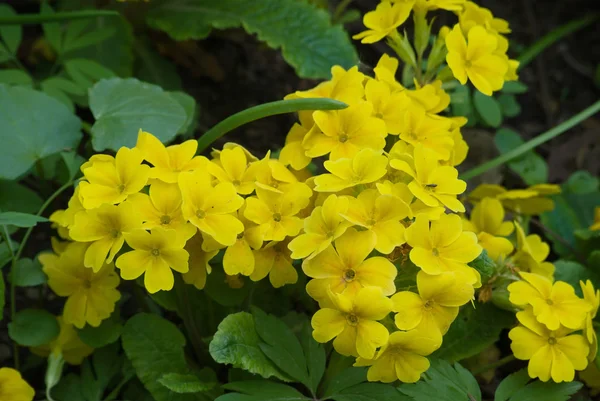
(15, 77)
(346, 378)
(10, 34)
(32, 137)
(28, 273)
(511, 384)
(316, 357)
(123, 106)
(264, 388)
(33, 327)
(488, 108)
(549, 391)
(370, 392)
(514, 87)
(18, 219)
(237, 343)
(510, 106)
(484, 265)
(16, 197)
(304, 33)
(530, 166)
(476, 327)
(184, 383)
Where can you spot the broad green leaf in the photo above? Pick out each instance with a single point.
(33, 327)
(582, 182)
(444, 382)
(514, 87)
(28, 273)
(16, 197)
(155, 347)
(185, 383)
(107, 333)
(484, 265)
(2, 295)
(304, 33)
(511, 384)
(488, 108)
(19, 219)
(572, 272)
(65, 85)
(85, 72)
(69, 388)
(219, 291)
(52, 30)
(477, 327)
(58, 95)
(15, 77)
(316, 357)
(28, 137)
(189, 105)
(509, 104)
(124, 106)
(370, 392)
(237, 343)
(107, 362)
(530, 167)
(347, 378)
(155, 68)
(549, 391)
(265, 388)
(11, 35)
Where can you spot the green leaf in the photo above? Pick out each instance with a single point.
(511, 384)
(477, 327)
(16, 197)
(510, 106)
(237, 343)
(64, 85)
(85, 72)
(28, 273)
(123, 106)
(52, 30)
(265, 388)
(316, 357)
(88, 39)
(69, 388)
(156, 69)
(72, 162)
(15, 77)
(488, 108)
(304, 33)
(53, 371)
(514, 87)
(582, 182)
(530, 166)
(549, 391)
(2, 295)
(19, 219)
(184, 383)
(26, 137)
(219, 291)
(572, 272)
(189, 105)
(107, 333)
(461, 103)
(370, 392)
(347, 378)
(444, 382)
(155, 347)
(484, 265)
(10, 34)
(33, 327)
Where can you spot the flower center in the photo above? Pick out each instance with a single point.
(200, 214)
(155, 252)
(165, 219)
(371, 222)
(435, 252)
(87, 284)
(121, 188)
(428, 305)
(551, 340)
(549, 302)
(240, 235)
(114, 233)
(351, 319)
(277, 217)
(468, 64)
(349, 275)
(343, 138)
(236, 182)
(379, 115)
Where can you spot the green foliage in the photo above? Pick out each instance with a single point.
(489, 109)
(573, 272)
(33, 327)
(370, 392)
(186, 383)
(515, 387)
(511, 384)
(107, 333)
(10, 35)
(261, 390)
(18, 219)
(304, 33)
(28, 273)
(484, 265)
(531, 167)
(52, 129)
(347, 378)
(18, 198)
(2, 290)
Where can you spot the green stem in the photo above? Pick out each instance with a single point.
(86, 127)
(552, 37)
(494, 365)
(262, 111)
(27, 19)
(115, 392)
(13, 305)
(529, 145)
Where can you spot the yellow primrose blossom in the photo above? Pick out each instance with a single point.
(592, 297)
(487, 221)
(400, 191)
(433, 133)
(450, 5)
(345, 86)
(433, 184)
(64, 219)
(530, 201)
(385, 71)
(365, 167)
(384, 20)
(430, 97)
(274, 259)
(272, 174)
(104, 228)
(386, 104)
(114, 180)
(553, 304)
(13, 387)
(91, 295)
(460, 150)
(209, 208)
(552, 355)
(436, 305)
(169, 161)
(352, 321)
(68, 344)
(293, 153)
(380, 214)
(343, 133)
(531, 253)
(596, 225)
(232, 167)
(198, 262)
(443, 247)
(473, 15)
(402, 358)
(162, 208)
(321, 228)
(347, 268)
(475, 59)
(276, 213)
(154, 254)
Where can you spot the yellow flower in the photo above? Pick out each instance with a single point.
(436, 305)
(531, 253)
(104, 227)
(450, 5)
(551, 354)
(473, 15)
(402, 358)
(380, 214)
(385, 71)
(162, 208)
(433, 133)
(113, 180)
(91, 296)
(365, 167)
(592, 297)
(324, 225)
(13, 387)
(68, 344)
(460, 149)
(169, 161)
(293, 153)
(596, 225)
(344, 132)
(386, 104)
(232, 167)
(64, 219)
(553, 304)
(274, 259)
(352, 321)
(384, 20)
(198, 262)
(275, 213)
(345, 86)
(487, 221)
(209, 208)
(443, 247)
(433, 184)
(431, 97)
(475, 59)
(400, 191)
(346, 268)
(522, 201)
(154, 254)
(272, 174)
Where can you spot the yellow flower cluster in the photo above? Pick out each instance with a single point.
(475, 48)
(13, 387)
